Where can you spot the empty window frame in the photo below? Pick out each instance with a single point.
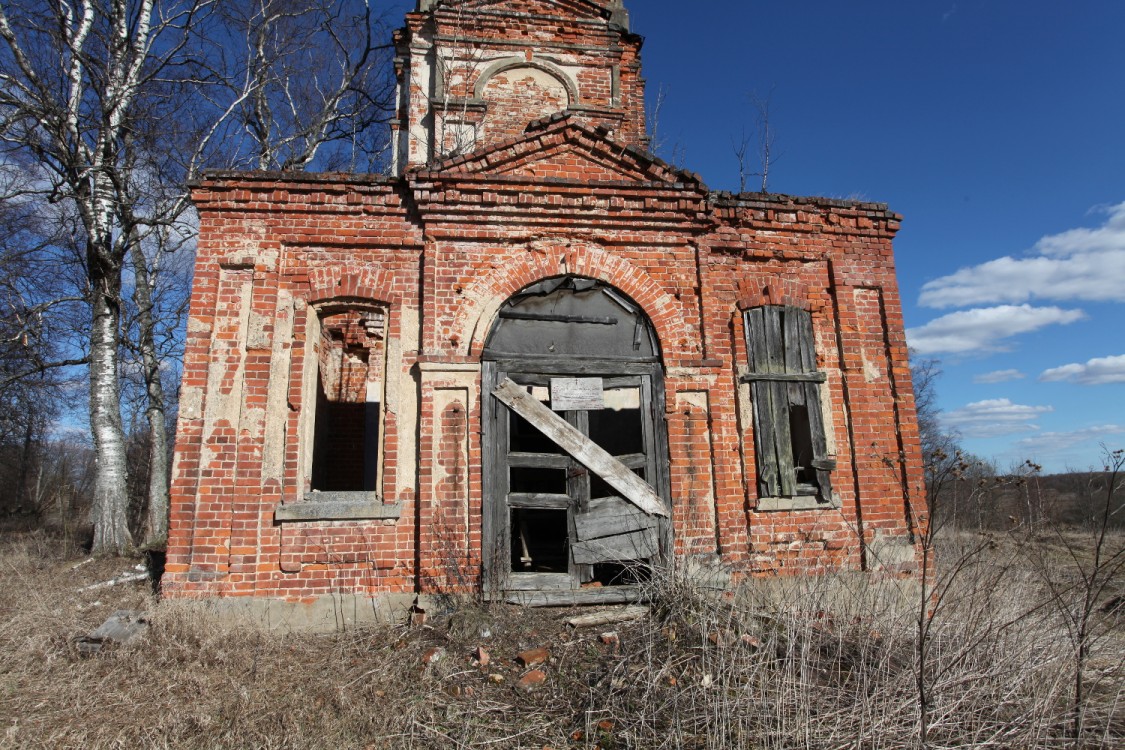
(790, 441)
(349, 358)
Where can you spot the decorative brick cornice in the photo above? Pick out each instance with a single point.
(778, 212)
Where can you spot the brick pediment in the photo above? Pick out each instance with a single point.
(559, 148)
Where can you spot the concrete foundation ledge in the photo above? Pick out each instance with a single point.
(325, 614)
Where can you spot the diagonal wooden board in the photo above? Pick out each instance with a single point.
(584, 450)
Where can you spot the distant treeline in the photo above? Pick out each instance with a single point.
(1002, 502)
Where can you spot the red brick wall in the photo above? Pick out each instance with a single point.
(268, 248)
(272, 245)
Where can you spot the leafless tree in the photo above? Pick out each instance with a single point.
(35, 317)
(946, 465)
(456, 135)
(296, 83)
(741, 149)
(762, 138)
(671, 151)
(114, 105)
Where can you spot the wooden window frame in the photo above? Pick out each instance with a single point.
(785, 391)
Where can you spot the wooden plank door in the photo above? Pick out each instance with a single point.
(545, 504)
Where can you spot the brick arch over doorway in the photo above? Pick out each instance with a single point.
(491, 288)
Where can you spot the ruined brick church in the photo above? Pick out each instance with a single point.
(534, 359)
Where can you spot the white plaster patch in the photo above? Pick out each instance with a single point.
(257, 337)
(871, 370)
(253, 423)
(277, 413)
(191, 402)
(696, 399)
(196, 325)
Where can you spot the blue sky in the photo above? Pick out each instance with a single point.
(997, 127)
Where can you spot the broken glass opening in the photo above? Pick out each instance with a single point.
(540, 541)
(350, 354)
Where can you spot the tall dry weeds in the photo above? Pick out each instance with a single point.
(802, 663)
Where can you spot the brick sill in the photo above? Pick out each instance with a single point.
(339, 506)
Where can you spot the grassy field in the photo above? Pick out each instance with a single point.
(813, 663)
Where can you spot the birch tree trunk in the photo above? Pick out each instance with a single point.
(111, 528)
(156, 526)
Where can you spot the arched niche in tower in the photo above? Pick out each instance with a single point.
(518, 91)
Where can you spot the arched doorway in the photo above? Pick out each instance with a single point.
(575, 446)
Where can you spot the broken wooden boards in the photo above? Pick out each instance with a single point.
(611, 529)
(608, 617)
(581, 448)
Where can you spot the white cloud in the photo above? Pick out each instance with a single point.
(1097, 371)
(983, 329)
(999, 376)
(993, 418)
(1058, 442)
(1079, 264)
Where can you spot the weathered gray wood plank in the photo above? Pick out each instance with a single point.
(765, 441)
(577, 597)
(609, 516)
(549, 318)
(785, 377)
(793, 366)
(638, 545)
(538, 461)
(821, 461)
(589, 454)
(768, 484)
(783, 438)
(538, 581)
(755, 340)
(807, 342)
(573, 365)
(540, 501)
(775, 342)
(594, 619)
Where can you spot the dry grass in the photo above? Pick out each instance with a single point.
(812, 663)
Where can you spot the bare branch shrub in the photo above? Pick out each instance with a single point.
(1082, 570)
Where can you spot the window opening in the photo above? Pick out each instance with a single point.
(801, 439)
(540, 542)
(622, 573)
(524, 438)
(350, 355)
(600, 488)
(619, 431)
(537, 481)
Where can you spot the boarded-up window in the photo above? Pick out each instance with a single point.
(785, 387)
